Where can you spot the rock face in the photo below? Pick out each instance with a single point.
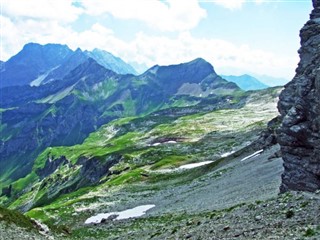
(299, 106)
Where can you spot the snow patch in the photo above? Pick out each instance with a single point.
(37, 82)
(252, 155)
(183, 167)
(126, 214)
(194, 165)
(158, 143)
(227, 154)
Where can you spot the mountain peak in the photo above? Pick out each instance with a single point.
(198, 65)
(172, 77)
(98, 50)
(32, 45)
(199, 60)
(109, 61)
(33, 60)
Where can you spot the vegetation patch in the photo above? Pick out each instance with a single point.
(15, 217)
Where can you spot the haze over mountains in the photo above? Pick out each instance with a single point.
(246, 82)
(38, 64)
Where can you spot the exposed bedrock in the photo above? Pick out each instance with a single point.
(299, 106)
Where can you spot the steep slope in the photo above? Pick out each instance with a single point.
(195, 78)
(299, 133)
(137, 150)
(65, 112)
(31, 62)
(246, 82)
(79, 57)
(70, 63)
(47, 116)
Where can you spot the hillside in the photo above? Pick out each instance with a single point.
(88, 97)
(136, 154)
(177, 152)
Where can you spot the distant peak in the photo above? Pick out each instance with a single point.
(99, 50)
(78, 50)
(32, 44)
(48, 45)
(102, 52)
(199, 60)
(246, 75)
(200, 63)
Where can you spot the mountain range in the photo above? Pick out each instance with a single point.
(177, 152)
(38, 64)
(46, 104)
(246, 82)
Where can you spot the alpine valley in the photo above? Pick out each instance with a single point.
(92, 150)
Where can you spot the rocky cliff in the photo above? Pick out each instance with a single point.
(299, 106)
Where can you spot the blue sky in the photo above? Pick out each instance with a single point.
(236, 36)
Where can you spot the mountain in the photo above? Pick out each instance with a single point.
(39, 64)
(299, 108)
(271, 81)
(111, 62)
(33, 60)
(123, 150)
(246, 82)
(174, 153)
(64, 112)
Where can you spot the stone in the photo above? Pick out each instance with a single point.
(299, 106)
(226, 228)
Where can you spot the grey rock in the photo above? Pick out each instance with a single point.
(299, 106)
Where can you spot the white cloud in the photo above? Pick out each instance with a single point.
(222, 54)
(234, 4)
(149, 50)
(58, 10)
(171, 15)
(231, 4)
(19, 28)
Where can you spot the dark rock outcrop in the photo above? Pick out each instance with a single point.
(299, 106)
(51, 166)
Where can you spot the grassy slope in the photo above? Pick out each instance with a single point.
(199, 137)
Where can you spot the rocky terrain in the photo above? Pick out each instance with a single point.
(299, 134)
(290, 216)
(202, 157)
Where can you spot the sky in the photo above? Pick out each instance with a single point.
(235, 36)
